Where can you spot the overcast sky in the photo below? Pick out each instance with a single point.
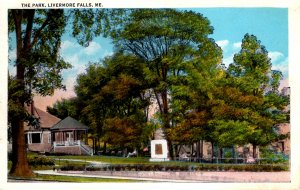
(269, 25)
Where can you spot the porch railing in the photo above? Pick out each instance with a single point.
(67, 143)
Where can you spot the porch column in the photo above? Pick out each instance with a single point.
(28, 138)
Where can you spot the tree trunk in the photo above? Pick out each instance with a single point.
(220, 154)
(170, 149)
(212, 152)
(104, 147)
(198, 150)
(20, 166)
(94, 151)
(254, 151)
(234, 155)
(201, 149)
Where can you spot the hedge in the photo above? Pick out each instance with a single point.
(40, 161)
(191, 168)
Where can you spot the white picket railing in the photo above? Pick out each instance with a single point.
(69, 143)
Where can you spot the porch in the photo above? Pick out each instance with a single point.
(75, 147)
(70, 137)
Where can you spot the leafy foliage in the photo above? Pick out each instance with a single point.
(64, 108)
(173, 45)
(114, 100)
(38, 63)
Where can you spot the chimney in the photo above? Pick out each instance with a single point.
(32, 107)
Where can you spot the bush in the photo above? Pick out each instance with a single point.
(40, 161)
(272, 157)
(72, 167)
(175, 168)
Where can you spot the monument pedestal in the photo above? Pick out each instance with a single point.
(159, 151)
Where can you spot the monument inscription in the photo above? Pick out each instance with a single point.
(158, 149)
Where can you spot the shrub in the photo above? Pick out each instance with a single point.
(272, 157)
(72, 167)
(174, 168)
(40, 161)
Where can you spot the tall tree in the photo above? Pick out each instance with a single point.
(38, 63)
(165, 39)
(254, 78)
(114, 92)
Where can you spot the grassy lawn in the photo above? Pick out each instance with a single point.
(45, 177)
(79, 179)
(106, 159)
(67, 162)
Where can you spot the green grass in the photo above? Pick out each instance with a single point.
(80, 179)
(106, 159)
(69, 162)
(58, 178)
(122, 160)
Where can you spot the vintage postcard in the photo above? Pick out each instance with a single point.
(148, 94)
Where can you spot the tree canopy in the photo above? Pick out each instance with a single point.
(172, 45)
(163, 58)
(38, 62)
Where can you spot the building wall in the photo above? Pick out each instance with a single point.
(283, 146)
(43, 146)
(73, 150)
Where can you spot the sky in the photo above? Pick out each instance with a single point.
(269, 25)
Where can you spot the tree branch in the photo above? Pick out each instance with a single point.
(30, 16)
(39, 31)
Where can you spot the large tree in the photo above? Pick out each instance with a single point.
(167, 40)
(114, 92)
(38, 63)
(235, 106)
(255, 80)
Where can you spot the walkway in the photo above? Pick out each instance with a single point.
(186, 177)
(80, 174)
(93, 163)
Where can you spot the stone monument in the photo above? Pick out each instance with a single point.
(159, 149)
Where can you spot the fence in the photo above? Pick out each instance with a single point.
(237, 160)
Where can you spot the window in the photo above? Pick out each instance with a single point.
(36, 138)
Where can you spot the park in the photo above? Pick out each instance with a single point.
(163, 101)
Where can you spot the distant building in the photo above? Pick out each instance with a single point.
(67, 136)
(39, 139)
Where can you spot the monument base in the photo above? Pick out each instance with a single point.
(159, 159)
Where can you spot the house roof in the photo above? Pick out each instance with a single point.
(69, 123)
(46, 119)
